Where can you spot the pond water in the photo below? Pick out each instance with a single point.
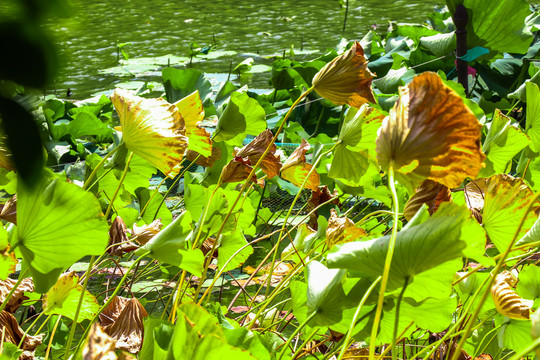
(235, 30)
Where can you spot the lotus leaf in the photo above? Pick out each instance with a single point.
(296, 169)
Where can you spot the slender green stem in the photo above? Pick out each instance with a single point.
(31, 326)
(177, 297)
(293, 335)
(396, 320)
(79, 305)
(491, 279)
(19, 280)
(387, 264)
(126, 168)
(308, 339)
(154, 193)
(99, 166)
(52, 337)
(523, 353)
(355, 317)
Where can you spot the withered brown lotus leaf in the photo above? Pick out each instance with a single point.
(474, 193)
(295, 169)
(144, 233)
(122, 319)
(13, 333)
(255, 149)
(341, 230)
(346, 79)
(430, 193)
(9, 210)
(281, 269)
(239, 168)
(99, 345)
(321, 196)
(430, 134)
(203, 160)
(17, 297)
(152, 129)
(119, 242)
(507, 301)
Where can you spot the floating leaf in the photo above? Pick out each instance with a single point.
(355, 151)
(430, 193)
(122, 319)
(503, 141)
(346, 79)
(430, 134)
(507, 301)
(295, 169)
(58, 223)
(192, 111)
(342, 230)
(242, 116)
(63, 298)
(152, 129)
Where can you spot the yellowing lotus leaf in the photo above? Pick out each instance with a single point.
(295, 169)
(430, 193)
(122, 319)
(192, 110)
(152, 129)
(507, 301)
(342, 230)
(430, 134)
(346, 79)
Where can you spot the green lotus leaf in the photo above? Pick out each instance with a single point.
(171, 246)
(324, 293)
(157, 337)
(229, 244)
(466, 289)
(58, 223)
(63, 298)
(502, 143)
(242, 116)
(84, 124)
(528, 286)
(152, 212)
(532, 125)
(179, 83)
(355, 151)
(497, 25)
(439, 44)
(449, 234)
(249, 340)
(505, 201)
(513, 334)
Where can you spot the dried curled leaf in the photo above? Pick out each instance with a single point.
(341, 230)
(152, 129)
(122, 319)
(430, 193)
(239, 168)
(507, 301)
(17, 297)
(13, 333)
(296, 170)
(119, 242)
(430, 134)
(144, 233)
(9, 210)
(204, 160)
(99, 345)
(346, 79)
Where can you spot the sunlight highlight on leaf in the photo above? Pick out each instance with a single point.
(192, 111)
(430, 134)
(152, 129)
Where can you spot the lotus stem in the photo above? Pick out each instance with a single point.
(99, 166)
(396, 320)
(293, 335)
(126, 168)
(387, 264)
(8, 296)
(355, 317)
(52, 337)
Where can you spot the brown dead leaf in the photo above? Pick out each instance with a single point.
(9, 210)
(430, 134)
(341, 230)
(430, 193)
(119, 242)
(203, 160)
(144, 233)
(295, 170)
(13, 333)
(281, 269)
(507, 301)
(122, 319)
(17, 297)
(317, 198)
(99, 345)
(346, 79)
(238, 169)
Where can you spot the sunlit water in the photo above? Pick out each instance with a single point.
(87, 41)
